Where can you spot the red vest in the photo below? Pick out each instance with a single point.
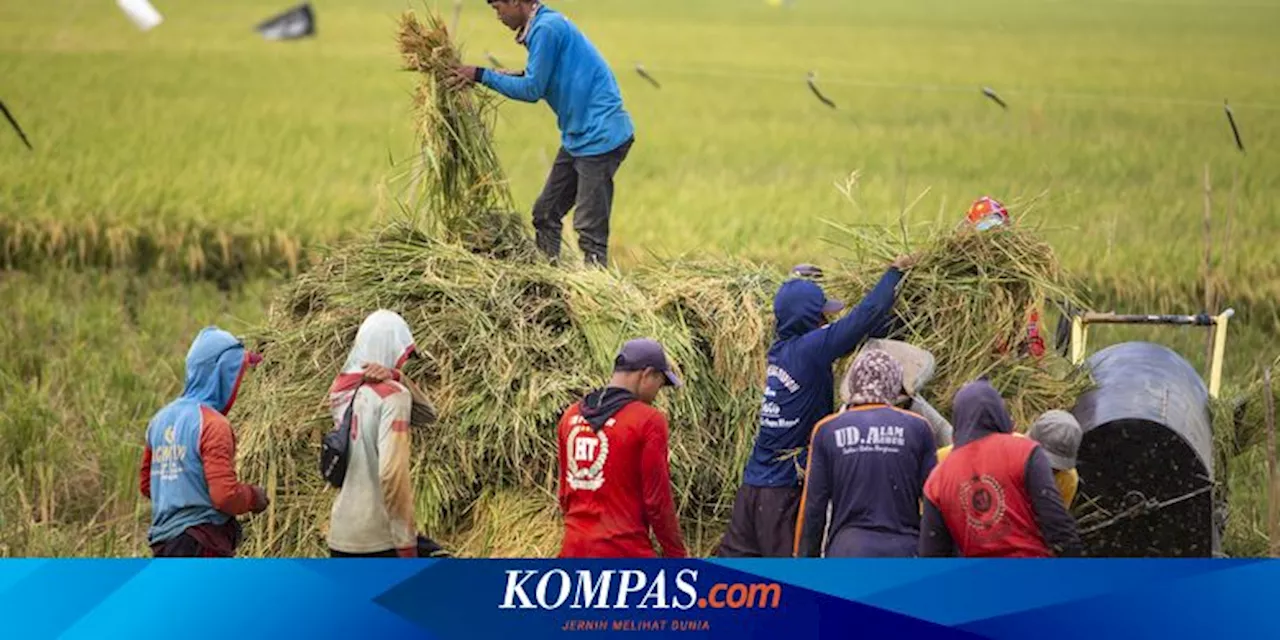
(981, 491)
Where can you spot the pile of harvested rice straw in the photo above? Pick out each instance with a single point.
(508, 342)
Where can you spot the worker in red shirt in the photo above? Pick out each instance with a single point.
(994, 496)
(615, 485)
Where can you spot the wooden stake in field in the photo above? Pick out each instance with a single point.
(1273, 492)
(1208, 261)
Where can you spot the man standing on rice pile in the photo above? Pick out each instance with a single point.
(615, 485)
(596, 132)
(798, 392)
(868, 463)
(994, 496)
(372, 516)
(188, 466)
(988, 213)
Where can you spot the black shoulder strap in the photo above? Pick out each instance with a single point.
(345, 425)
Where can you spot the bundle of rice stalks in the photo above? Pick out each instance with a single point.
(456, 177)
(1240, 461)
(510, 524)
(506, 346)
(968, 301)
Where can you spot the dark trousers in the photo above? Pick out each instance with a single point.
(763, 523)
(184, 546)
(852, 542)
(427, 548)
(201, 541)
(389, 553)
(587, 184)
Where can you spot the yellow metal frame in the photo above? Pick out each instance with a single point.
(1080, 338)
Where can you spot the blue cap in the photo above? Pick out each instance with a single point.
(644, 353)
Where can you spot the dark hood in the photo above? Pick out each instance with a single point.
(978, 411)
(797, 307)
(602, 404)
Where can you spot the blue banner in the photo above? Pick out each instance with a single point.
(531, 599)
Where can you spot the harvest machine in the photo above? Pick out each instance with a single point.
(1146, 459)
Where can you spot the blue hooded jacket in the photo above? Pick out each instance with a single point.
(569, 72)
(179, 492)
(799, 388)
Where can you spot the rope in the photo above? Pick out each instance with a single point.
(942, 88)
(1143, 508)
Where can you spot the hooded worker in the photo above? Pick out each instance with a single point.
(994, 496)
(615, 478)
(373, 514)
(799, 389)
(188, 466)
(867, 467)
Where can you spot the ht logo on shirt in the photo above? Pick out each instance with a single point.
(169, 456)
(586, 450)
(630, 589)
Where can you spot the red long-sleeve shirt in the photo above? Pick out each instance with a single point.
(615, 485)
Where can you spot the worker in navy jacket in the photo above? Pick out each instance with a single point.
(596, 132)
(799, 390)
(868, 465)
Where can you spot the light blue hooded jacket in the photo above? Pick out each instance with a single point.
(179, 490)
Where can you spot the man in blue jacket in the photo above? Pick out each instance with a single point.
(799, 390)
(189, 464)
(596, 133)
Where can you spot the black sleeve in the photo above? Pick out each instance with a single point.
(1056, 525)
(935, 539)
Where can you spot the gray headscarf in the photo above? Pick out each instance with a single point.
(873, 378)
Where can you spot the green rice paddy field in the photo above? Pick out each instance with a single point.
(200, 131)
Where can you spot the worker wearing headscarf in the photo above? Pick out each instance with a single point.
(188, 466)
(868, 464)
(917, 370)
(373, 513)
(994, 496)
(1058, 434)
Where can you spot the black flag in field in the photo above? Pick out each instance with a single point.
(994, 97)
(298, 22)
(813, 86)
(14, 123)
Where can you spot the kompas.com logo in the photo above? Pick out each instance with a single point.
(624, 589)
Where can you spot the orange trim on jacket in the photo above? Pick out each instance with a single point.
(804, 493)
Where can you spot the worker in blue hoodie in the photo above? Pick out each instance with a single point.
(799, 390)
(189, 463)
(596, 132)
